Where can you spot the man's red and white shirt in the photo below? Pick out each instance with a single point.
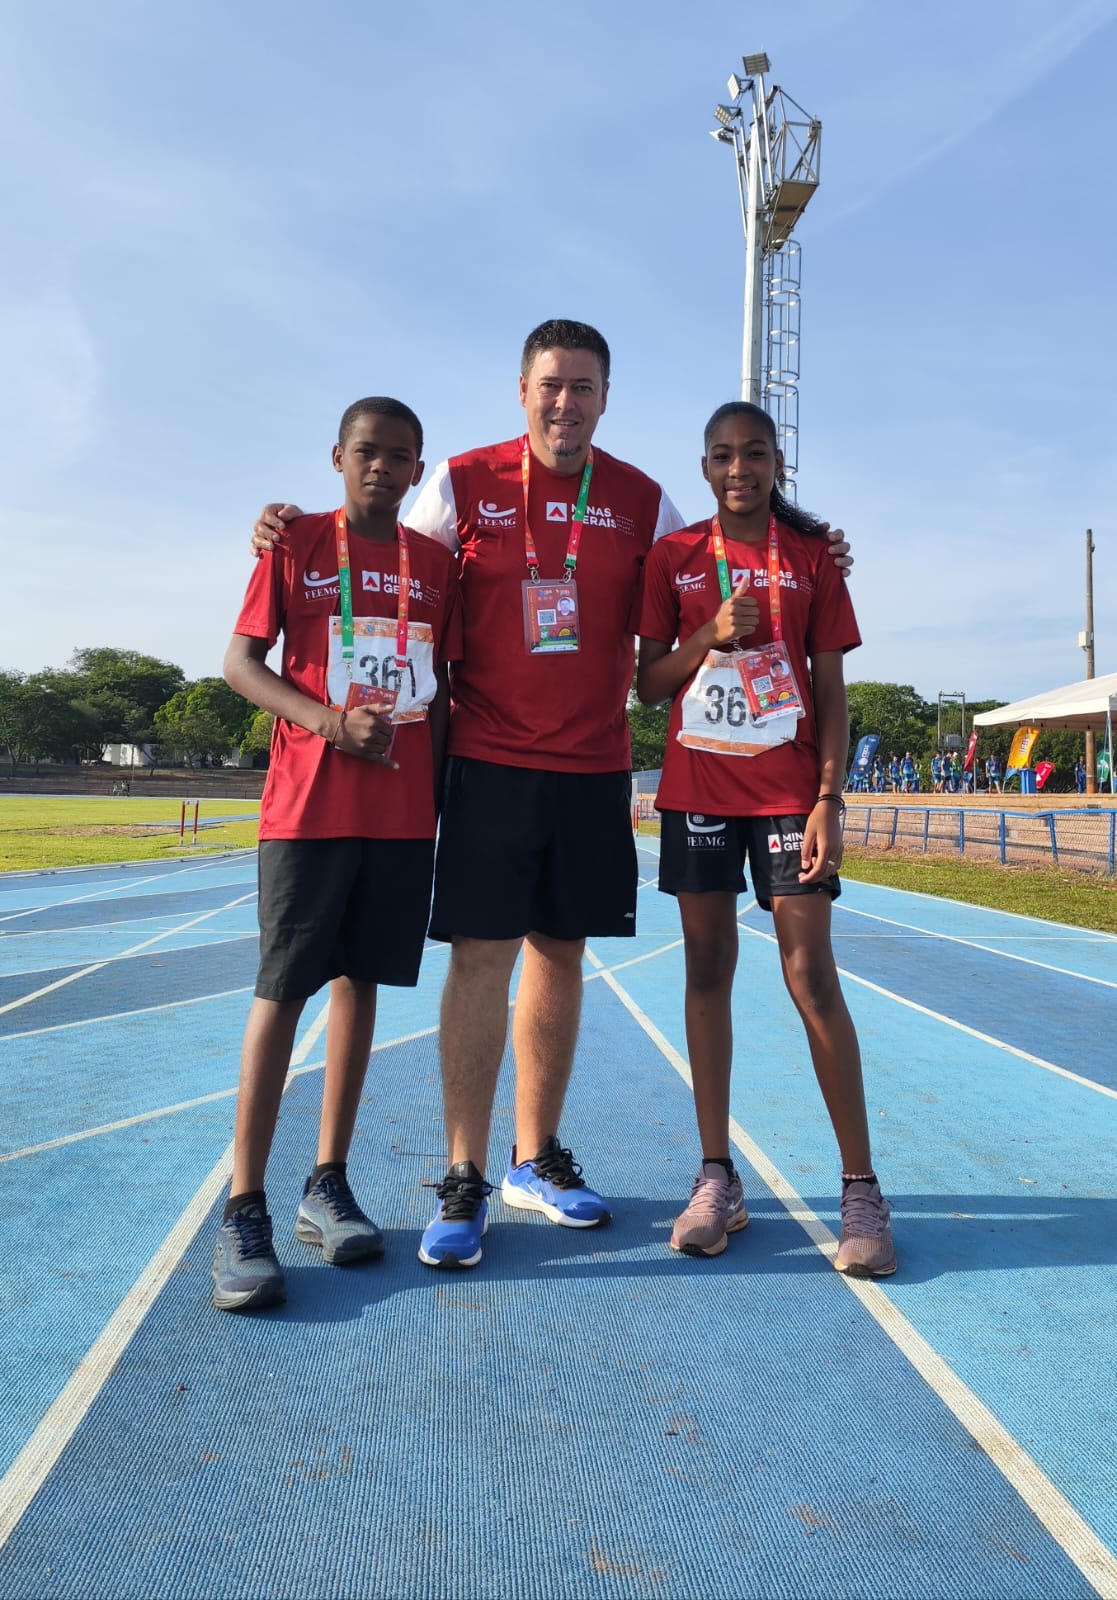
(313, 791)
(562, 712)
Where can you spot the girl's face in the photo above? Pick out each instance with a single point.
(741, 465)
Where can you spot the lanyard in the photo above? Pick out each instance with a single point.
(576, 524)
(773, 570)
(345, 587)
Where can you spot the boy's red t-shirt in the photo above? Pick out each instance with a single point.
(679, 593)
(313, 791)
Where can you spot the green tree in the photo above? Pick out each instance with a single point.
(213, 700)
(130, 687)
(902, 718)
(257, 741)
(41, 716)
(648, 727)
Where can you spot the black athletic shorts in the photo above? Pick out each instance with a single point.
(699, 853)
(341, 908)
(522, 851)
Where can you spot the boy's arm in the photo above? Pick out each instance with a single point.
(822, 836)
(438, 714)
(360, 732)
(662, 671)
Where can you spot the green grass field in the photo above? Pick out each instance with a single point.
(49, 831)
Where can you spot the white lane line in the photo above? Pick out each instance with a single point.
(106, 891)
(962, 1027)
(96, 966)
(27, 1473)
(118, 1016)
(975, 944)
(1070, 1531)
(16, 937)
(190, 1105)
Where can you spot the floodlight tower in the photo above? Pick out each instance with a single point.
(777, 147)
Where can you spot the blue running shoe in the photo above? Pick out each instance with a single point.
(330, 1216)
(553, 1184)
(246, 1274)
(453, 1238)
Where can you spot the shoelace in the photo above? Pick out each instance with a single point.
(559, 1167)
(253, 1234)
(461, 1198)
(339, 1199)
(863, 1213)
(712, 1190)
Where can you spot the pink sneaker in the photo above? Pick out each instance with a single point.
(716, 1209)
(865, 1249)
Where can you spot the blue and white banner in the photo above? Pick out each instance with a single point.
(863, 755)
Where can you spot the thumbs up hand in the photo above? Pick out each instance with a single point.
(738, 616)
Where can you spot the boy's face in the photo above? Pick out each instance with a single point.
(563, 395)
(379, 462)
(740, 465)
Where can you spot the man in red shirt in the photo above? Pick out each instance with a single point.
(369, 616)
(535, 849)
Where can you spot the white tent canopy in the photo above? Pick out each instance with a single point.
(1089, 704)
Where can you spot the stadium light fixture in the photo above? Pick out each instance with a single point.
(722, 135)
(726, 115)
(757, 63)
(736, 86)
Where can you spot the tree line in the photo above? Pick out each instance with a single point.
(104, 696)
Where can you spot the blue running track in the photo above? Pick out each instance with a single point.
(585, 1414)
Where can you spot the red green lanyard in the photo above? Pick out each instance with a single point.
(345, 587)
(773, 571)
(576, 524)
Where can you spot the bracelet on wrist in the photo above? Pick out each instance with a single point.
(337, 730)
(835, 799)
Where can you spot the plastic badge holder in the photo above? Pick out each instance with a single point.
(382, 701)
(769, 683)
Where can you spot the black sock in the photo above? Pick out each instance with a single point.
(237, 1202)
(722, 1161)
(326, 1166)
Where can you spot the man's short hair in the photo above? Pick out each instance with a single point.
(560, 334)
(380, 405)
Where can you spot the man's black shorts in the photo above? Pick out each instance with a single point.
(341, 908)
(699, 854)
(522, 851)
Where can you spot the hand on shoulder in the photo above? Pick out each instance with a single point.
(270, 526)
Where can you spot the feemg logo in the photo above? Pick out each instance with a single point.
(492, 515)
(703, 832)
(690, 582)
(315, 587)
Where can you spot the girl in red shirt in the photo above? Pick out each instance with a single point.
(756, 752)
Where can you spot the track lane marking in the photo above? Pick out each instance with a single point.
(97, 966)
(953, 1022)
(1070, 1531)
(974, 944)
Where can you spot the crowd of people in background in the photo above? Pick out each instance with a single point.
(949, 775)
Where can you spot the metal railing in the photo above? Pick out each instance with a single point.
(1083, 839)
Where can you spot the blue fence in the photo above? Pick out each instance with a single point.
(1083, 839)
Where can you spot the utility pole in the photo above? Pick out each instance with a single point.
(1086, 640)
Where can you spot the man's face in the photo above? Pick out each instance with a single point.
(378, 461)
(563, 396)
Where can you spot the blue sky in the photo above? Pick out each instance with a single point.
(224, 223)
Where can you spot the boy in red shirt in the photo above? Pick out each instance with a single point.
(368, 611)
(756, 750)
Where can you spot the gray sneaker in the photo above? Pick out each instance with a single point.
(246, 1274)
(329, 1216)
(716, 1209)
(865, 1249)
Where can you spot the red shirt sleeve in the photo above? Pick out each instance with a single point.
(261, 614)
(655, 611)
(831, 624)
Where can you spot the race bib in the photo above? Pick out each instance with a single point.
(373, 676)
(716, 716)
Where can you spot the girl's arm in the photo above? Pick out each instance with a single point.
(822, 837)
(662, 671)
